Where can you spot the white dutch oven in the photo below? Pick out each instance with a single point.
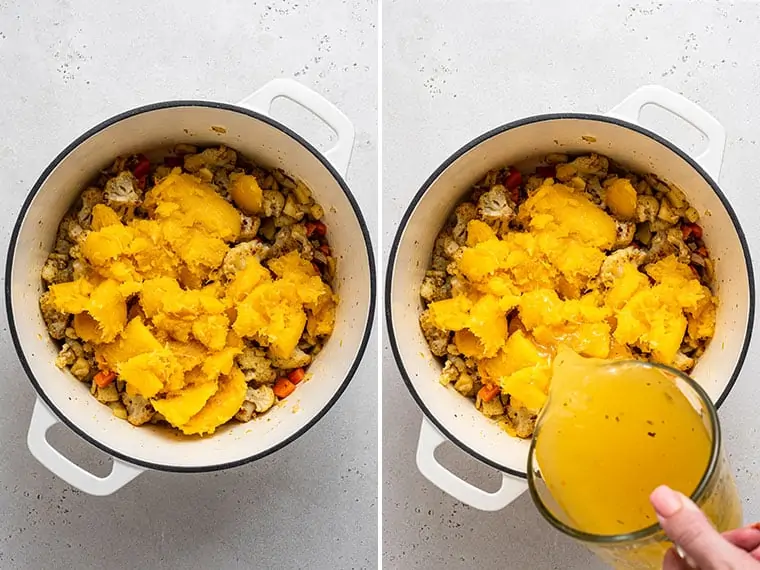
(617, 135)
(248, 129)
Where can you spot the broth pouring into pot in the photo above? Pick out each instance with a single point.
(609, 435)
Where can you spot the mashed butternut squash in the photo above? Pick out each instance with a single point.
(555, 276)
(185, 329)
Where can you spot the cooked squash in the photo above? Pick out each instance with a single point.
(621, 199)
(220, 407)
(246, 193)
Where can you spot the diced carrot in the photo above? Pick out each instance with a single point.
(143, 166)
(320, 229)
(545, 171)
(104, 378)
(324, 248)
(283, 388)
(489, 392)
(702, 251)
(514, 179)
(691, 230)
(296, 375)
(310, 227)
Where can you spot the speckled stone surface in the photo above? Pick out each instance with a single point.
(65, 66)
(453, 71)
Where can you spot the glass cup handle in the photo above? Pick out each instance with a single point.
(430, 440)
(630, 110)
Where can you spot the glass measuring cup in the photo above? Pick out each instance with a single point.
(644, 548)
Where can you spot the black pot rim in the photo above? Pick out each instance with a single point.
(147, 109)
(501, 129)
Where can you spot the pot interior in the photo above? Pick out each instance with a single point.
(524, 146)
(163, 126)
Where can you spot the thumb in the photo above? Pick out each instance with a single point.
(688, 527)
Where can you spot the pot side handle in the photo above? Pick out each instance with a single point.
(430, 440)
(261, 101)
(630, 110)
(42, 420)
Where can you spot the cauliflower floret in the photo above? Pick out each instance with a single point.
(272, 203)
(436, 338)
(450, 372)
(78, 269)
(56, 269)
(463, 213)
(249, 227)
(221, 181)
(669, 242)
(647, 208)
(612, 266)
(55, 320)
(682, 362)
(139, 410)
(496, 209)
(491, 408)
(298, 359)
(256, 366)
(246, 411)
(292, 238)
(624, 232)
(90, 198)
(591, 165)
(263, 398)
(122, 191)
(584, 166)
(533, 183)
(675, 238)
(522, 420)
(236, 258)
(435, 286)
(75, 232)
(211, 158)
(443, 251)
(453, 268)
(66, 357)
(257, 400)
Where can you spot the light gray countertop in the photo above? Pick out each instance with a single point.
(454, 70)
(64, 67)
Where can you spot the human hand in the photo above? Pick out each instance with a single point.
(703, 546)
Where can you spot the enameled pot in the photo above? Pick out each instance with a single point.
(447, 415)
(247, 128)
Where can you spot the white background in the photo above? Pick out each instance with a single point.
(65, 66)
(454, 70)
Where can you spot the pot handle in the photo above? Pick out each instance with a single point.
(630, 110)
(42, 420)
(261, 101)
(430, 440)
